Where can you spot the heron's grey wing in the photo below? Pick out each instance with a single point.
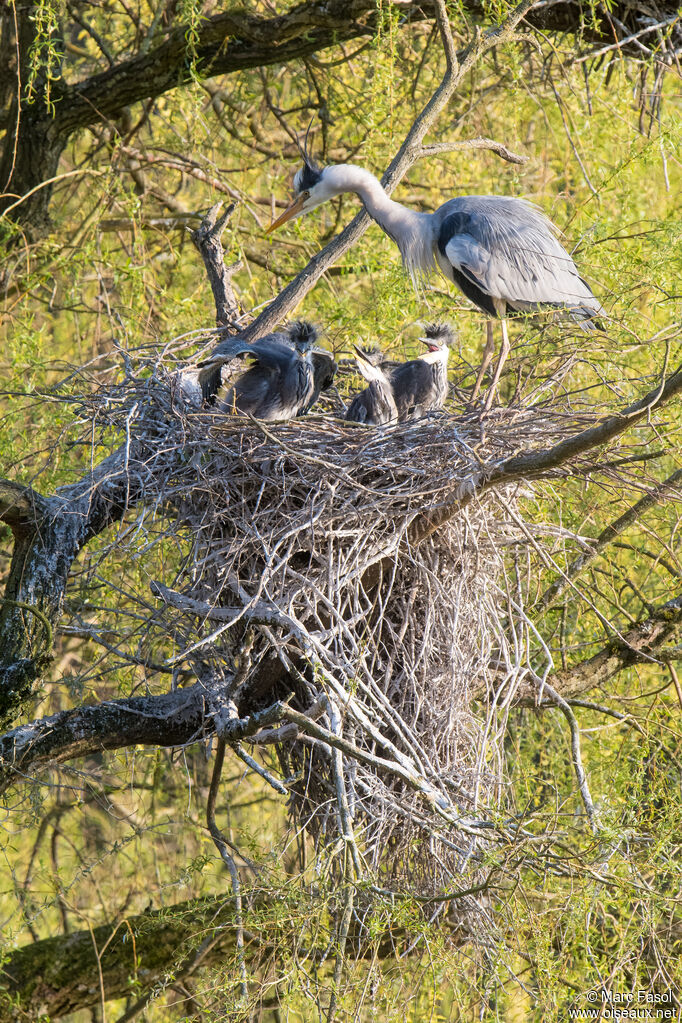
(374, 406)
(537, 272)
(274, 352)
(508, 249)
(211, 373)
(250, 394)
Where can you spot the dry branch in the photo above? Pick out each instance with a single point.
(20, 506)
(534, 464)
(207, 240)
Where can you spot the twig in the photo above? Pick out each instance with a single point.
(434, 149)
(222, 847)
(564, 707)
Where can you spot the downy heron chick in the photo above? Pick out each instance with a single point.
(502, 252)
(285, 380)
(405, 390)
(376, 404)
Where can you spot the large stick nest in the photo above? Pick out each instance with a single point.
(308, 575)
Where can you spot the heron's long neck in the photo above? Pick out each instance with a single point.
(401, 224)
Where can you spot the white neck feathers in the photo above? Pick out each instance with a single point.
(411, 231)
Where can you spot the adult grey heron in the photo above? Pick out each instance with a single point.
(503, 253)
(285, 380)
(406, 390)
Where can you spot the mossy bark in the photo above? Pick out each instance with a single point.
(60, 975)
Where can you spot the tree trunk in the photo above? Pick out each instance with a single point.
(60, 975)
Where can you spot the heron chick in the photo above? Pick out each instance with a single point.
(376, 405)
(502, 253)
(285, 380)
(405, 390)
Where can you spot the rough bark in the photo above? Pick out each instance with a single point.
(61, 975)
(171, 719)
(207, 240)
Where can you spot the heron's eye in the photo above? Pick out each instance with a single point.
(305, 195)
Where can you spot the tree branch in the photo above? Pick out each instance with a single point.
(607, 535)
(470, 144)
(20, 506)
(535, 464)
(171, 719)
(41, 562)
(648, 642)
(207, 240)
(58, 976)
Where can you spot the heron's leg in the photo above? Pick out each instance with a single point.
(488, 353)
(498, 369)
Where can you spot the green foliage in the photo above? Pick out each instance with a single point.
(46, 53)
(119, 276)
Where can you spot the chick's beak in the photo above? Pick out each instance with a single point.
(291, 211)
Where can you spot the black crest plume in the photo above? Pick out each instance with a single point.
(302, 331)
(439, 332)
(310, 174)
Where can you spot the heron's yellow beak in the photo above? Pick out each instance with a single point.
(291, 211)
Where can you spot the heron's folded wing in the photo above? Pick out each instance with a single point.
(526, 267)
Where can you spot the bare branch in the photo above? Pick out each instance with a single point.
(207, 240)
(172, 719)
(659, 493)
(653, 639)
(20, 506)
(534, 464)
(469, 144)
(576, 757)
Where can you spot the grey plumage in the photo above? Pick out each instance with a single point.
(503, 253)
(404, 390)
(285, 380)
(501, 250)
(505, 249)
(421, 384)
(374, 406)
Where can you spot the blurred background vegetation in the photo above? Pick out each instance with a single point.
(116, 273)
